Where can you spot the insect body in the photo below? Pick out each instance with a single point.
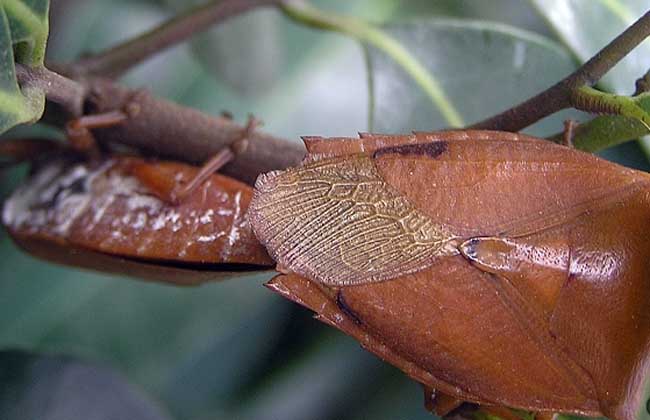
(111, 215)
(494, 267)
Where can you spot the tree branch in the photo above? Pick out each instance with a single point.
(120, 58)
(160, 127)
(562, 94)
(165, 129)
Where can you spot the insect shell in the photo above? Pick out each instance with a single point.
(496, 268)
(110, 216)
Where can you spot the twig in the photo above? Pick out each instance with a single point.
(163, 128)
(58, 89)
(160, 127)
(120, 58)
(561, 95)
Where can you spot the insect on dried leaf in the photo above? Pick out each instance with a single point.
(110, 215)
(493, 267)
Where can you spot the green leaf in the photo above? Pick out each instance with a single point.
(246, 53)
(586, 26)
(44, 387)
(482, 68)
(372, 36)
(23, 35)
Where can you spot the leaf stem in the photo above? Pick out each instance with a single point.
(117, 60)
(562, 94)
(603, 132)
(586, 98)
(308, 15)
(66, 92)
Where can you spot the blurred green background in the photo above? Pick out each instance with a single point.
(233, 350)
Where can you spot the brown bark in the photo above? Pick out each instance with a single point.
(165, 129)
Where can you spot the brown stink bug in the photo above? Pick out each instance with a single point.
(495, 268)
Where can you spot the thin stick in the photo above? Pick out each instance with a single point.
(166, 129)
(160, 127)
(120, 58)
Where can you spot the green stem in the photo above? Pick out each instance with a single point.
(627, 118)
(603, 132)
(366, 33)
(588, 99)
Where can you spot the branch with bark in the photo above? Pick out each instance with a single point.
(162, 128)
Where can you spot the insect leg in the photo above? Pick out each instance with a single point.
(569, 132)
(78, 129)
(439, 403)
(215, 163)
(79, 135)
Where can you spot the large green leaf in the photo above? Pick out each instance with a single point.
(481, 68)
(23, 34)
(586, 26)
